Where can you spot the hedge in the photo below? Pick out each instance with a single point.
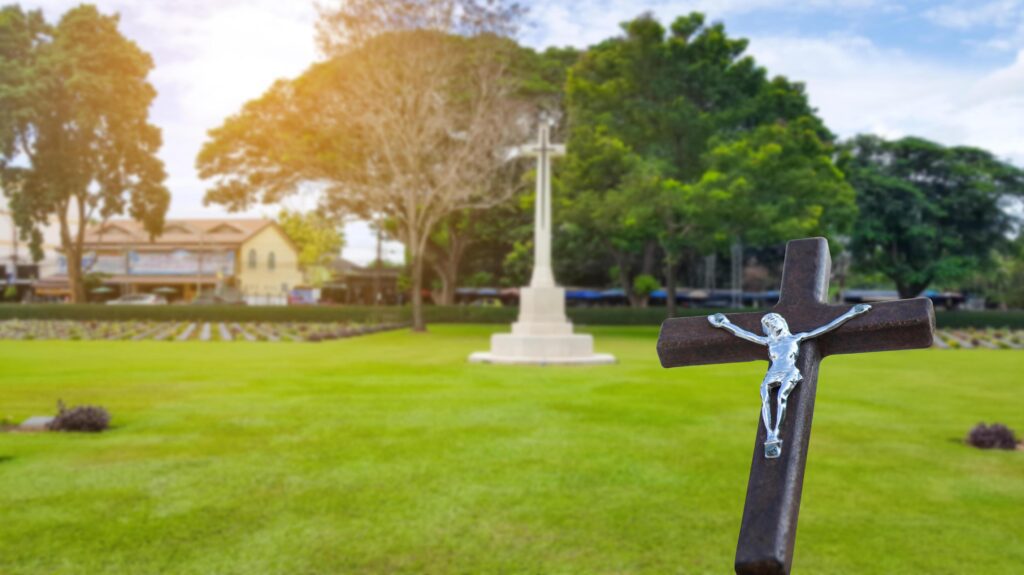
(434, 314)
(203, 313)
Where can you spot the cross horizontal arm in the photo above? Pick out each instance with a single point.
(889, 326)
(532, 150)
(694, 341)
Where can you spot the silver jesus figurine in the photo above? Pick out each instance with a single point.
(783, 351)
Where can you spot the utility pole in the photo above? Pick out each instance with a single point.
(13, 276)
(377, 266)
(199, 274)
(737, 272)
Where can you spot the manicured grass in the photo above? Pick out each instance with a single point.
(390, 454)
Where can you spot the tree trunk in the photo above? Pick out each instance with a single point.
(911, 290)
(73, 255)
(418, 324)
(671, 265)
(75, 279)
(446, 266)
(622, 263)
(448, 270)
(440, 297)
(377, 265)
(650, 261)
(449, 280)
(647, 265)
(736, 272)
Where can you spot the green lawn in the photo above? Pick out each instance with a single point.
(390, 454)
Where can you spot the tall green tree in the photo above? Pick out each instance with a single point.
(1005, 284)
(604, 199)
(775, 182)
(318, 238)
(75, 138)
(21, 35)
(928, 213)
(647, 109)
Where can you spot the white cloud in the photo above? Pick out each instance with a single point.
(965, 15)
(585, 22)
(1003, 18)
(859, 87)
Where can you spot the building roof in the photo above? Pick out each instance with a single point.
(342, 267)
(190, 232)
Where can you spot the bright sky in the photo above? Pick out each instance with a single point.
(951, 71)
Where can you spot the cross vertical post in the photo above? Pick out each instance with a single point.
(768, 528)
(544, 150)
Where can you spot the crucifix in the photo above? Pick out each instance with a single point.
(543, 150)
(798, 333)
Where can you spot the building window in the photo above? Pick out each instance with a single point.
(252, 259)
(271, 261)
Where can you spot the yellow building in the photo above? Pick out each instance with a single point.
(249, 258)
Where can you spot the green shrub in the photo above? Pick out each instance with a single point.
(645, 284)
(88, 418)
(995, 436)
(434, 314)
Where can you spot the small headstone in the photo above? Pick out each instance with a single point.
(187, 333)
(36, 423)
(245, 333)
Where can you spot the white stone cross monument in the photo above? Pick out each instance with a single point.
(543, 335)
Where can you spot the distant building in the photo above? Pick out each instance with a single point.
(16, 263)
(354, 284)
(253, 258)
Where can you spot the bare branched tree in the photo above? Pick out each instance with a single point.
(411, 124)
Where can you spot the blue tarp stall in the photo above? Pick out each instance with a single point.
(761, 298)
(583, 295)
(948, 299)
(469, 295)
(660, 296)
(716, 298)
(464, 295)
(869, 295)
(613, 297)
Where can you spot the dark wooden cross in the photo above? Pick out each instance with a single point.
(768, 529)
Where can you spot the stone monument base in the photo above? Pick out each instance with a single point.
(542, 336)
(571, 349)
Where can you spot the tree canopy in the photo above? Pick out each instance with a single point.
(75, 140)
(928, 213)
(679, 142)
(318, 238)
